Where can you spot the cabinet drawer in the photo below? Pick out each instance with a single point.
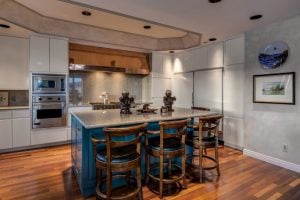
(21, 113)
(5, 114)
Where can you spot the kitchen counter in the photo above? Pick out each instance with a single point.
(14, 107)
(104, 118)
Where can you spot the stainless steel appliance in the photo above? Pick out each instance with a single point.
(48, 111)
(42, 83)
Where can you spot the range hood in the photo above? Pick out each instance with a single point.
(91, 58)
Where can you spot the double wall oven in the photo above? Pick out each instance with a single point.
(48, 101)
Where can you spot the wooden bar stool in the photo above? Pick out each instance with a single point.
(121, 155)
(207, 137)
(170, 144)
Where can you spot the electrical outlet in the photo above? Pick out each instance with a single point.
(285, 148)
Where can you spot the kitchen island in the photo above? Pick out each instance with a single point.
(90, 123)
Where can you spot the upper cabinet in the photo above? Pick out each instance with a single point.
(48, 55)
(14, 53)
(235, 51)
(211, 56)
(195, 59)
(59, 55)
(162, 65)
(215, 55)
(39, 54)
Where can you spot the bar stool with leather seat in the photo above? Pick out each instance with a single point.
(121, 155)
(205, 137)
(169, 145)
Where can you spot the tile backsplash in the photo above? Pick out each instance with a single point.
(17, 97)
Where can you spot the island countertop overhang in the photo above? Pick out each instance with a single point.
(112, 117)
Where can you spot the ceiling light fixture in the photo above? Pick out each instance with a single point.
(255, 17)
(147, 27)
(214, 1)
(212, 39)
(4, 26)
(86, 13)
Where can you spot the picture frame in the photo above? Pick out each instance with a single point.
(274, 88)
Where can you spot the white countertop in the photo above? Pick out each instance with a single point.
(112, 117)
(14, 107)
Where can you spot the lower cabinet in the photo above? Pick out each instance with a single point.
(48, 135)
(5, 134)
(21, 132)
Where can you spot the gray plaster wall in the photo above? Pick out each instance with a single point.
(269, 126)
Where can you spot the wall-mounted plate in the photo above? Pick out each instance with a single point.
(273, 55)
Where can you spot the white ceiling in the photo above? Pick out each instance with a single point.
(14, 30)
(72, 12)
(221, 20)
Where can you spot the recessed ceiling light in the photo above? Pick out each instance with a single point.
(255, 17)
(212, 39)
(171, 51)
(214, 1)
(4, 26)
(86, 13)
(147, 27)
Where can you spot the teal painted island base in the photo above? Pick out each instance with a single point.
(84, 125)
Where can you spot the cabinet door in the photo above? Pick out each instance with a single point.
(14, 55)
(235, 51)
(5, 134)
(182, 87)
(157, 65)
(59, 49)
(159, 87)
(215, 55)
(39, 54)
(195, 59)
(21, 132)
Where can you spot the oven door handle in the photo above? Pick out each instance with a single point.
(49, 104)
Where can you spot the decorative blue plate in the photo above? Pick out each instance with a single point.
(273, 55)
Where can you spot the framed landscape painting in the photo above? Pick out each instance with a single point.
(274, 88)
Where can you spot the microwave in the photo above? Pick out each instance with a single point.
(42, 83)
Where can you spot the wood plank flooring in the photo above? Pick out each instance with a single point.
(44, 174)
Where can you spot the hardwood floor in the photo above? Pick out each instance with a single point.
(44, 174)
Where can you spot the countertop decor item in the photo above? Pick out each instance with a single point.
(125, 103)
(168, 102)
(146, 109)
(273, 55)
(274, 88)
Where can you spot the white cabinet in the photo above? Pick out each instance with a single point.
(215, 55)
(178, 63)
(162, 65)
(159, 87)
(48, 55)
(235, 51)
(182, 87)
(195, 59)
(48, 135)
(21, 132)
(14, 128)
(59, 56)
(14, 58)
(5, 134)
(39, 54)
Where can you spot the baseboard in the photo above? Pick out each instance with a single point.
(233, 146)
(272, 160)
(30, 147)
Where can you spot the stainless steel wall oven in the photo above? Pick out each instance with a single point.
(48, 101)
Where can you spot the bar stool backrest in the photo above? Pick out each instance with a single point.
(209, 124)
(172, 129)
(122, 137)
